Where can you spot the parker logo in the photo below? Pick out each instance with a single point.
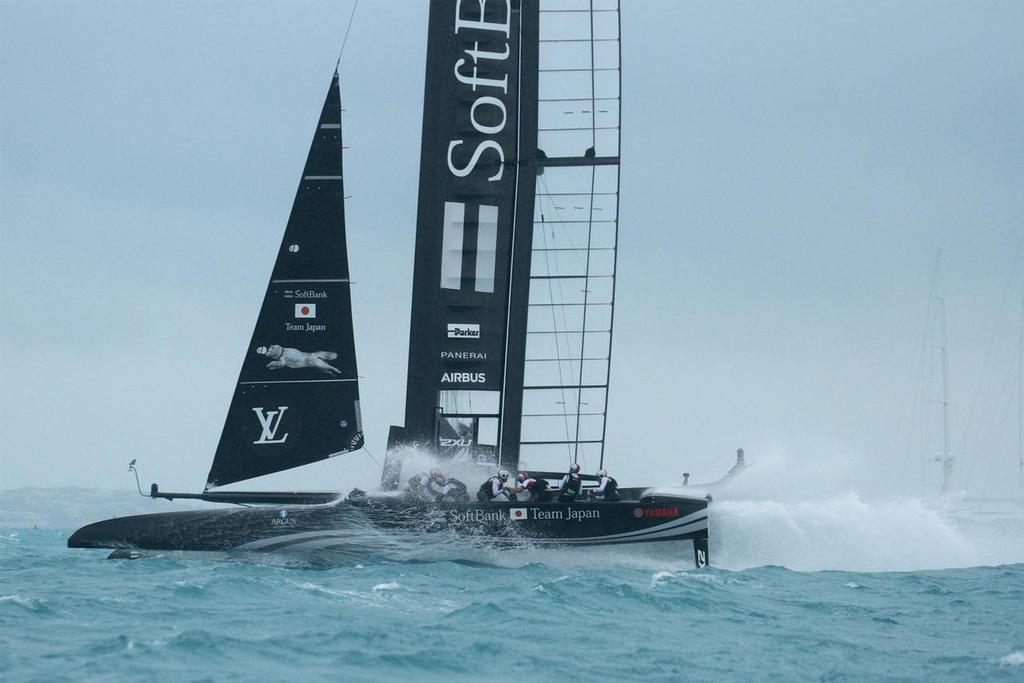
(517, 514)
(270, 421)
(464, 378)
(463, 331)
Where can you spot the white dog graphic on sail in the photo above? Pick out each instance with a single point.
(284, 357)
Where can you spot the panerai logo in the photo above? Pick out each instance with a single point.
(463, 331)
(464, 377)
(270, 421)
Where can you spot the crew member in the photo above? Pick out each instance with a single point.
(571, 484)
(535, 490)
(438, 487)
(607, 488)
(493, 490)
(417, 487)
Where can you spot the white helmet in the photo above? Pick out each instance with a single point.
(503, 475)
(602, 473)
(436, 474)
(575, 467)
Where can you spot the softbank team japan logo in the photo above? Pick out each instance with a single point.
(518, 514)
(463, 331)
(270, 422)
(305, 310)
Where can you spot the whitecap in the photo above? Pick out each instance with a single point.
(1015, 658)
(389, 586)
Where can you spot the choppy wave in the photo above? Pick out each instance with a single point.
(71, 613)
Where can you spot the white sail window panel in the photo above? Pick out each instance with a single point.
(563, 401)
(545, 429)
(451, 245)
(579, 6)
(567, 25)
(573, 290)
(570, 235)
(487, 431)
(577, 180)
(573, 262)
(579, 54)
(469, 402)
(562, 317)
(541, 373)
(541, 345)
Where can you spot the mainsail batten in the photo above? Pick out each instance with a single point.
(297, 397)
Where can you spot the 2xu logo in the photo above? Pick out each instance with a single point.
(270, 422)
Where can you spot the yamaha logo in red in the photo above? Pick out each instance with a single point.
(655, 512)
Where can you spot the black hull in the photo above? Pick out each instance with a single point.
(347, 526)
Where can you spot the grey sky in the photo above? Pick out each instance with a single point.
(789, 170)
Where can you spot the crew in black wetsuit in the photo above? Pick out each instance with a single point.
(493, 490)
(535, 490)
(607, 488)
(571, 484)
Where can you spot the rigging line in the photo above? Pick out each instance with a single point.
(984, 231)
(925, 368)
(998, 435)
(345, 39)
(367, 450)
(1020, 404)
(593, 107)
(554, 208)
(991, 347)
(554, 323)
(586, 295)
(615, 251)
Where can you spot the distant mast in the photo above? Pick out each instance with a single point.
(1020, 404)
(936, 326)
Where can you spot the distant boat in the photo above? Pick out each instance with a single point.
(512, 307)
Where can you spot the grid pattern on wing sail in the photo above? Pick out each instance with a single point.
(575, 234)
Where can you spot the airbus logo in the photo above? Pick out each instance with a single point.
(464, 377)
(270, 422)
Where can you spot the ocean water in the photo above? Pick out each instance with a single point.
(837, 589)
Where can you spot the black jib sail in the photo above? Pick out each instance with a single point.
(515, 241)
(297, 398)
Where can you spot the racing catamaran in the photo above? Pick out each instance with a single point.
(512, 309)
